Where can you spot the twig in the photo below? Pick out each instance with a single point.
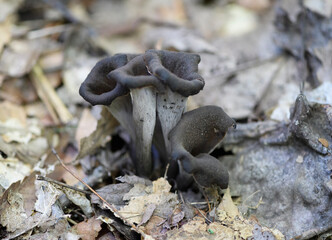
(203, 192)
(200, 203)
(204, 215)
(259, 201)
(71, 221)
(61, 184)
(47, 31)
(45, 100)
(165, 175)
(110, 207)
(48, 95)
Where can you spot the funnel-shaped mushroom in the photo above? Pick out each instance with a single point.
(199, 131)
(98, 88)
(135, 76)
(206, 170)
(178, 72)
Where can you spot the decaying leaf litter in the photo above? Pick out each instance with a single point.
(254, 57)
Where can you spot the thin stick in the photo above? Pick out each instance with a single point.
(203, 215)
(47, 31)
(110, 207)
(199, 203)
(61, 184)
(45, 100)
(165, 175)
(50, 94)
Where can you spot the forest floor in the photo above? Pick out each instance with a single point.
(56, 150)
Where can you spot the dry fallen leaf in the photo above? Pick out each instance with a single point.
(322, 7)
(324, 142)
(147, 214)
(26, 205)
(12, 112)
(79, 199)
(157, 194)
(86, 126)
(230, 225)
(88, 230)
(100, 136)
(24, 53)
(12, 170)
(19, 90)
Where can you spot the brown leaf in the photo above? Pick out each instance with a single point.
(86, 126)
(21, 52)
(12, 112)
(19, 90)
(154, 226)
(324, 142)
(88, 230)
(17, 206)
(158, 194)
(99, 137)
(147, 213)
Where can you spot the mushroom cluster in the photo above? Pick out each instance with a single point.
(147, 94)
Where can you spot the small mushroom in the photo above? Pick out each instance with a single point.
(178, 72)
(135, 76)
(206, 170)
(99, 89)
(196, 134)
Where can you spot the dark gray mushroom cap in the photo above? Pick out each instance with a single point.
(199, 131)
(98, 88)
(206, 170)
(177, 70)
(135, 75)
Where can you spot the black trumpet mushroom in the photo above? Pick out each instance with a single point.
(198, 133)
(147, 94)
(159, 83)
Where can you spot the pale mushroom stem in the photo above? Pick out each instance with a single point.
(170, 107)
(121, 108)
(144, 114)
